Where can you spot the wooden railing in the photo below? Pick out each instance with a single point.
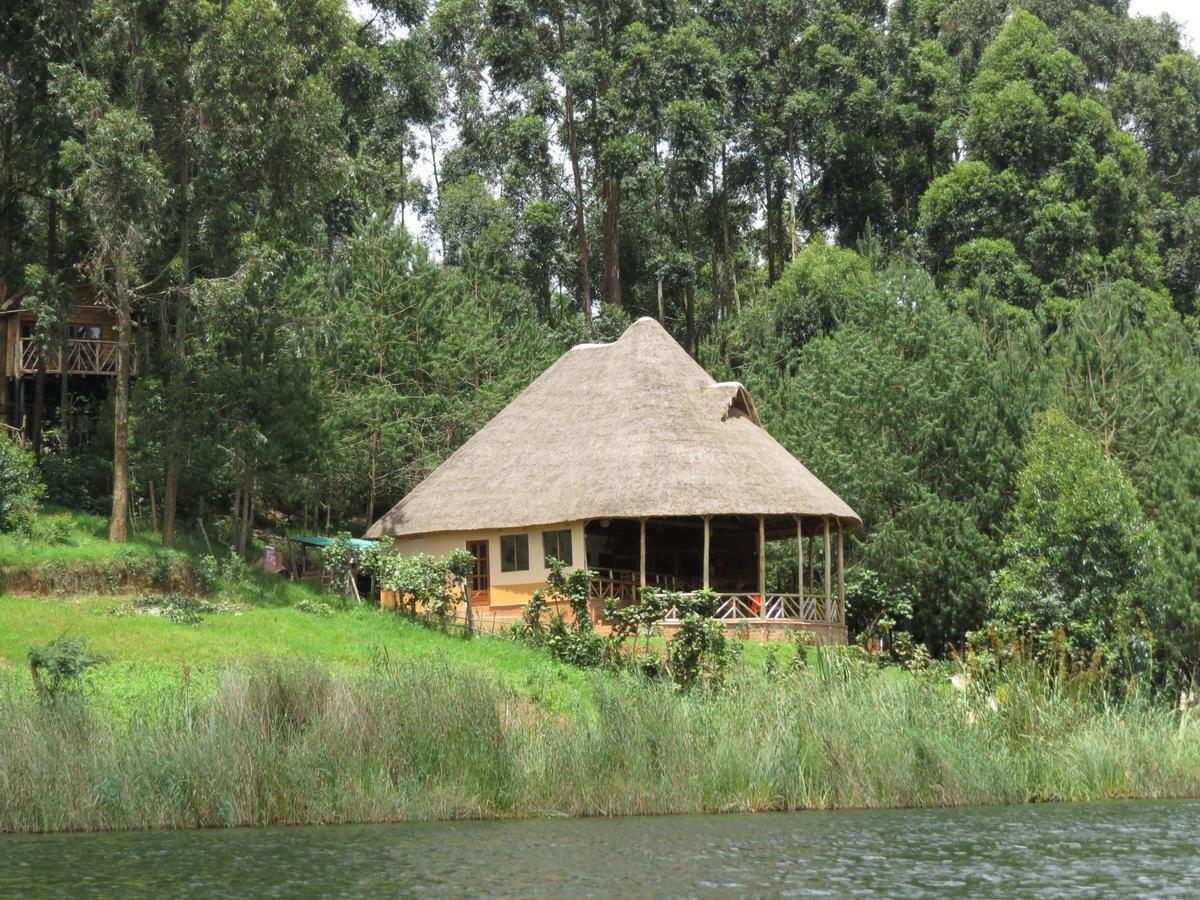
(614, 585)
(84, 357)
(620, 586)
(748, 607)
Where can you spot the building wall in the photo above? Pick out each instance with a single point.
(508, 589)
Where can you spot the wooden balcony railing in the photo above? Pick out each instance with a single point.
(84, 356)
(620, 586)
(748, 607)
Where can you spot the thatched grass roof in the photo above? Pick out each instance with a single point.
(627, 429)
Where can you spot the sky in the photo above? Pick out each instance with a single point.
(1186, 12)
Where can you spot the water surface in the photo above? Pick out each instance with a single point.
(1112, 849)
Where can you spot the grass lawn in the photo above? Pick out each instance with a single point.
(142, 647)
(86, 538)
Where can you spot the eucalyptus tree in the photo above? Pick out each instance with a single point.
(118, 181)
(33, 36)
(257, 107)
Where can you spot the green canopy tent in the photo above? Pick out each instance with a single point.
(320, 542)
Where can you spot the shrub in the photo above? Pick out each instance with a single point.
(634, 620)
(574, 641)
(338, 558)
(176, 608)
(222, 574)
(1083, 563)
(21, 488)
(531, 627)
(50, 530)
(79, 480)
(60, 665)
(208, 573)
(315, 608)
(425, 583)
(699, 654)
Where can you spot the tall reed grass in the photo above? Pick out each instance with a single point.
(292, 744)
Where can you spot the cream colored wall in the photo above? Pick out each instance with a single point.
(535, 575)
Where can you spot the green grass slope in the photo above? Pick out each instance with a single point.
(265, 624)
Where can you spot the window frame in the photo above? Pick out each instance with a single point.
(559, 534)
(83, 331)
(518, 544)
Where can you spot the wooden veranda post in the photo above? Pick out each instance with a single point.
(707, 548)
(642, 556)
(812, 566)
(470, 606)
(841, 573)
(800, 560)
(762, 566)
(828, 573)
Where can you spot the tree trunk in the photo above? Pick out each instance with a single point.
(4, 401)
(374, 444)
(689, 292)
(118, 530)
(611, 227)
(730, 274)
(470, 607)
(437, 184)
(769, 243)
(176, 439)
(585, 278)
(777, 194)
(714, 264)
(39, 401)
(64, 395)
(39, 387)
(171, 488)
(658, 230)
(403, 184)
(792, 194)
(246, 512)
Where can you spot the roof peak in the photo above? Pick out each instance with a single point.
(640, 429)
(646, 325)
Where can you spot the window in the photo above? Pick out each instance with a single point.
(514, 552)
(84, 332)
(558, 545)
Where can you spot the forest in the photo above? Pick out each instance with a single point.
(952, 247)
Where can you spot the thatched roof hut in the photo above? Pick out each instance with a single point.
(631, 429)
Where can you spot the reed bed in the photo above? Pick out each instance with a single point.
(280, 743)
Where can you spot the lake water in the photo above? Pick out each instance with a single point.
(1111, 849)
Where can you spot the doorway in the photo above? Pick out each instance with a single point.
(479, 581)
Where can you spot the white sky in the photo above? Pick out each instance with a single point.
(1186, 12)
